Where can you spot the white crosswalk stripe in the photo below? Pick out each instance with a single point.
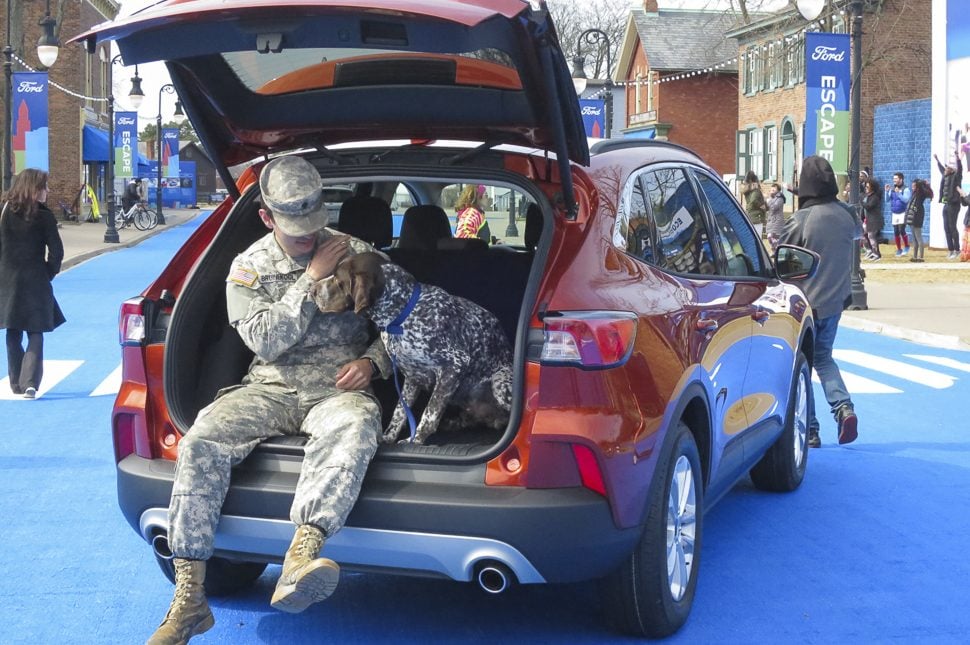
(110, 385)
(856, 384)
(54, 373)
(901, 370)
(942, 361)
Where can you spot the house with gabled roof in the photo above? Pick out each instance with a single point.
(681, 78)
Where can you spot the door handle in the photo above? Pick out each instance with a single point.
(706, 324)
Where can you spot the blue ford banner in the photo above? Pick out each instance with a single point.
(125, 144)
(29, 140)
(594, 116)
(828, 77)
(170, 152)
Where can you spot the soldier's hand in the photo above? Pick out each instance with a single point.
(327, 256)
(355, 375)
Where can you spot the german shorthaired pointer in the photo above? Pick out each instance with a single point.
(441, 343)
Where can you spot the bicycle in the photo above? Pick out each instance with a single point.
(139, 216)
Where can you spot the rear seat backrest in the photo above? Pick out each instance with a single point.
(368, 219)
(422, 227)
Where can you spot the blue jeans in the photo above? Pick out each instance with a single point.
(826, 368)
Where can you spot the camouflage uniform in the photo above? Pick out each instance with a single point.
(289, 390)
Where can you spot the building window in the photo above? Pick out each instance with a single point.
(750, 78)
(771, 153)
(756, 151)
(637, 99)
(650, 94)
(773, 80)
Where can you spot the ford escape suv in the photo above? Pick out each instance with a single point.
(660, 353)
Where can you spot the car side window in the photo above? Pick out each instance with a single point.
(682, 242)
(634, 226)
(733, 234)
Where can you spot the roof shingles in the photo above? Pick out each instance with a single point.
(686, 40)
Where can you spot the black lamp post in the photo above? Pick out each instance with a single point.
(179, 116)
(512, 230)
(47, 49)
(136, 96)
(595, 37)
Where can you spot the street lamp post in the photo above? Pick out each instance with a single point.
(595, 37)
(136, 96)
(810, 10)
(512, 230)
(47, 49)
(168, 87)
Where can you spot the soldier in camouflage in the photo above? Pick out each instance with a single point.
(310, 375)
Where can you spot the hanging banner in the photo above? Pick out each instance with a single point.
(30, 132)
(828, 78)
(125, 145)
(594, 116)
(170, 152)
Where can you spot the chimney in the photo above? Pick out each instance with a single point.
(650, 6)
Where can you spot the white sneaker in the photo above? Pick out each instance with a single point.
(30, 393)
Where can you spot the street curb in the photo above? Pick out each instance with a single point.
(942, 341)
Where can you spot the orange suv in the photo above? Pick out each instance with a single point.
(660, 353)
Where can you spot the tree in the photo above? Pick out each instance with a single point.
(186, 131)
(572, 18)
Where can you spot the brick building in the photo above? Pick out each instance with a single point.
(76, 71)
(681, 79)
(771, 108)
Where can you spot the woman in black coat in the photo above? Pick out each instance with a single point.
(30, 256)
(872, 206)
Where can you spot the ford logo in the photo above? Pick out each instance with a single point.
(591, 111)
(126, 120)
(824, 53)
(30, 87)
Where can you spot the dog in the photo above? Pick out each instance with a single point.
(441, 343)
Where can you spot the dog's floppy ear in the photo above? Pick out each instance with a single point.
(367, 281)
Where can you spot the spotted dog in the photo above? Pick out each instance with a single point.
(440, 343)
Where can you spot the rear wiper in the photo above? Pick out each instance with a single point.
(340, 160)
(468, 154)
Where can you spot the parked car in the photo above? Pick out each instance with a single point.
(660, 355)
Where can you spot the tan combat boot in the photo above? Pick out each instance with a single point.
(306, 579)
(189, 614)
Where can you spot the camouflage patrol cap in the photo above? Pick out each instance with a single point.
(292, 190)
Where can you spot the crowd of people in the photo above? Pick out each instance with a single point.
(907, 208)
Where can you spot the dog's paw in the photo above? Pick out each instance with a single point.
(407, 440)
(390, 436)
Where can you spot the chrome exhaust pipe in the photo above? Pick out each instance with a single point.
(161, 548)
(494, 577)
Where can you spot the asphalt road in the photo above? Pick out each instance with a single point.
(870, 549)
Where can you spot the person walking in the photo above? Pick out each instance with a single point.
(310, 375)
(898, 195)
(754, 201)
(827, 226)
(874, 221)
(471, 214)
(916, 213)
(775, 223)
(30, 256)
(950, 196)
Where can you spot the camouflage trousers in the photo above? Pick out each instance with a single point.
(342, 429)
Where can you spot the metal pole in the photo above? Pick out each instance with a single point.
(110, 232)
(600, 38)
(158, 179)
(512, 230)
(8, 108)
(859, 295)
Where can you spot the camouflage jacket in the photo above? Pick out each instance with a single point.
(295, 344)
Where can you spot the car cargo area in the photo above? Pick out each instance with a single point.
(204, 353)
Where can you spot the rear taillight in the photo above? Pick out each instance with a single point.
(589, 339)
(124, 436)
(589, 469)
(131, 322)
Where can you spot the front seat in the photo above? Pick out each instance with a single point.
(422, 227)
(368, 219)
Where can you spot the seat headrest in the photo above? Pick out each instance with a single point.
(368, 219)
(533, 227)
(423, 226)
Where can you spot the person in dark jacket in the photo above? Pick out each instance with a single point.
(915, 214)
(30, 256)
(951, 180)
(830, 228)
(872, 207)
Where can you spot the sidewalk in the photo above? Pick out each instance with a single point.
(86, 240)
(935, 313)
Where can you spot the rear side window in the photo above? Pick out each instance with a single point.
(734, 235)
(682, 242)
(634, 227)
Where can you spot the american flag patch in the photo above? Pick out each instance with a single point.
(243, 276)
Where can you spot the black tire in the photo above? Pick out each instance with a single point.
(146, 219)
(222, 577)
(641, 597)
(782, 468)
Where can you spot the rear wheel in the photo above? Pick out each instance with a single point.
(222, 577)
(652, 592)
(782, 468)
(145, 219)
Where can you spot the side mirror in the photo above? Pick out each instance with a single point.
(795, 262)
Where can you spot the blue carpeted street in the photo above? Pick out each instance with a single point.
(871, 548)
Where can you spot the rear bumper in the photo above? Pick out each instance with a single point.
(434, 521)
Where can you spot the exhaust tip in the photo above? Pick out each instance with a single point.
(161, 548)
(494, 577)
